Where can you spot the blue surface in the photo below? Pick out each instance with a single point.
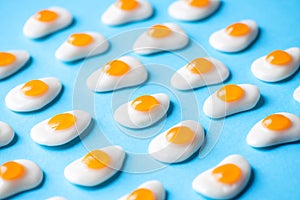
(276, 170)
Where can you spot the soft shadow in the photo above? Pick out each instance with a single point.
(14, 141)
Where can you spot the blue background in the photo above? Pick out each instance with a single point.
(276, 171)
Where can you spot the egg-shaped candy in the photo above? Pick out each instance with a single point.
(56, 198)
(18, 176)
(161, 37)
(235, 37)
(125, 11)
(12, 61)
(177, 143)
(150, 190)
(200, 72)
(277, 65)
(47, 21)
(296, 94)
(125, 71)
(191, 10)
(224, 181)
(61, 128)
(82, 45)
(275, 129)
(231, 99)
(96, 166)
(33, 94)
(6, 134)
(143, 111)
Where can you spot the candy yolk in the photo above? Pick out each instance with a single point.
(11, 171)
(116, 68)
(227, 174)
(141, 194)
(80, 39)
(145, 103)
(159, 31)
(279, 57)
(277, 122)
(230, 93)
(198, 3)
(34, 88)
(46, 16)
(62, 121)
(127, 5)
(237, 29)
(180, 135)
(96, 159)
(200, 66)
(6, 59)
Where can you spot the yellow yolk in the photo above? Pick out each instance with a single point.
(11, 171)
(62, 121)
(159, 31)
(277, 122)
(80, 39)
(180, 135)
(279, 57)
(144, 103)
(127, 5)
(200, 66)
(141, 194)
(96, 159)
(46, 16)
(227, 174)
(230, 93)
(237, 29)
(6, 59)
(198, 3)
(34, 88)
(116, 68)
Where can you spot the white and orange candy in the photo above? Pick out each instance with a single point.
(33, 95)
(277, 65)
(123, 72)
(192, 10)
(18, 176)
(125, 11)
(143, 111)
(47, 21)
(61, 128)
(96, 166)
(12, 61)
(224, 181)
(231, 99)
(277, 128)
(235, 37)
(82, 45)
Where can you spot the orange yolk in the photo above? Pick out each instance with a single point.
(11, 171)
(237, 29)
(6, 59)
(277, 122)
(96, 159)
(200, 66)
(127, 5)
(46, 16)
(159, 31)
(144, 103)
(80, 39)
(279, 57)
(180, 135)
(198, 3)
(116, 68)
(141, 194)
(230, 93)
(227, 174)
(34, 88)
(62, 121)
